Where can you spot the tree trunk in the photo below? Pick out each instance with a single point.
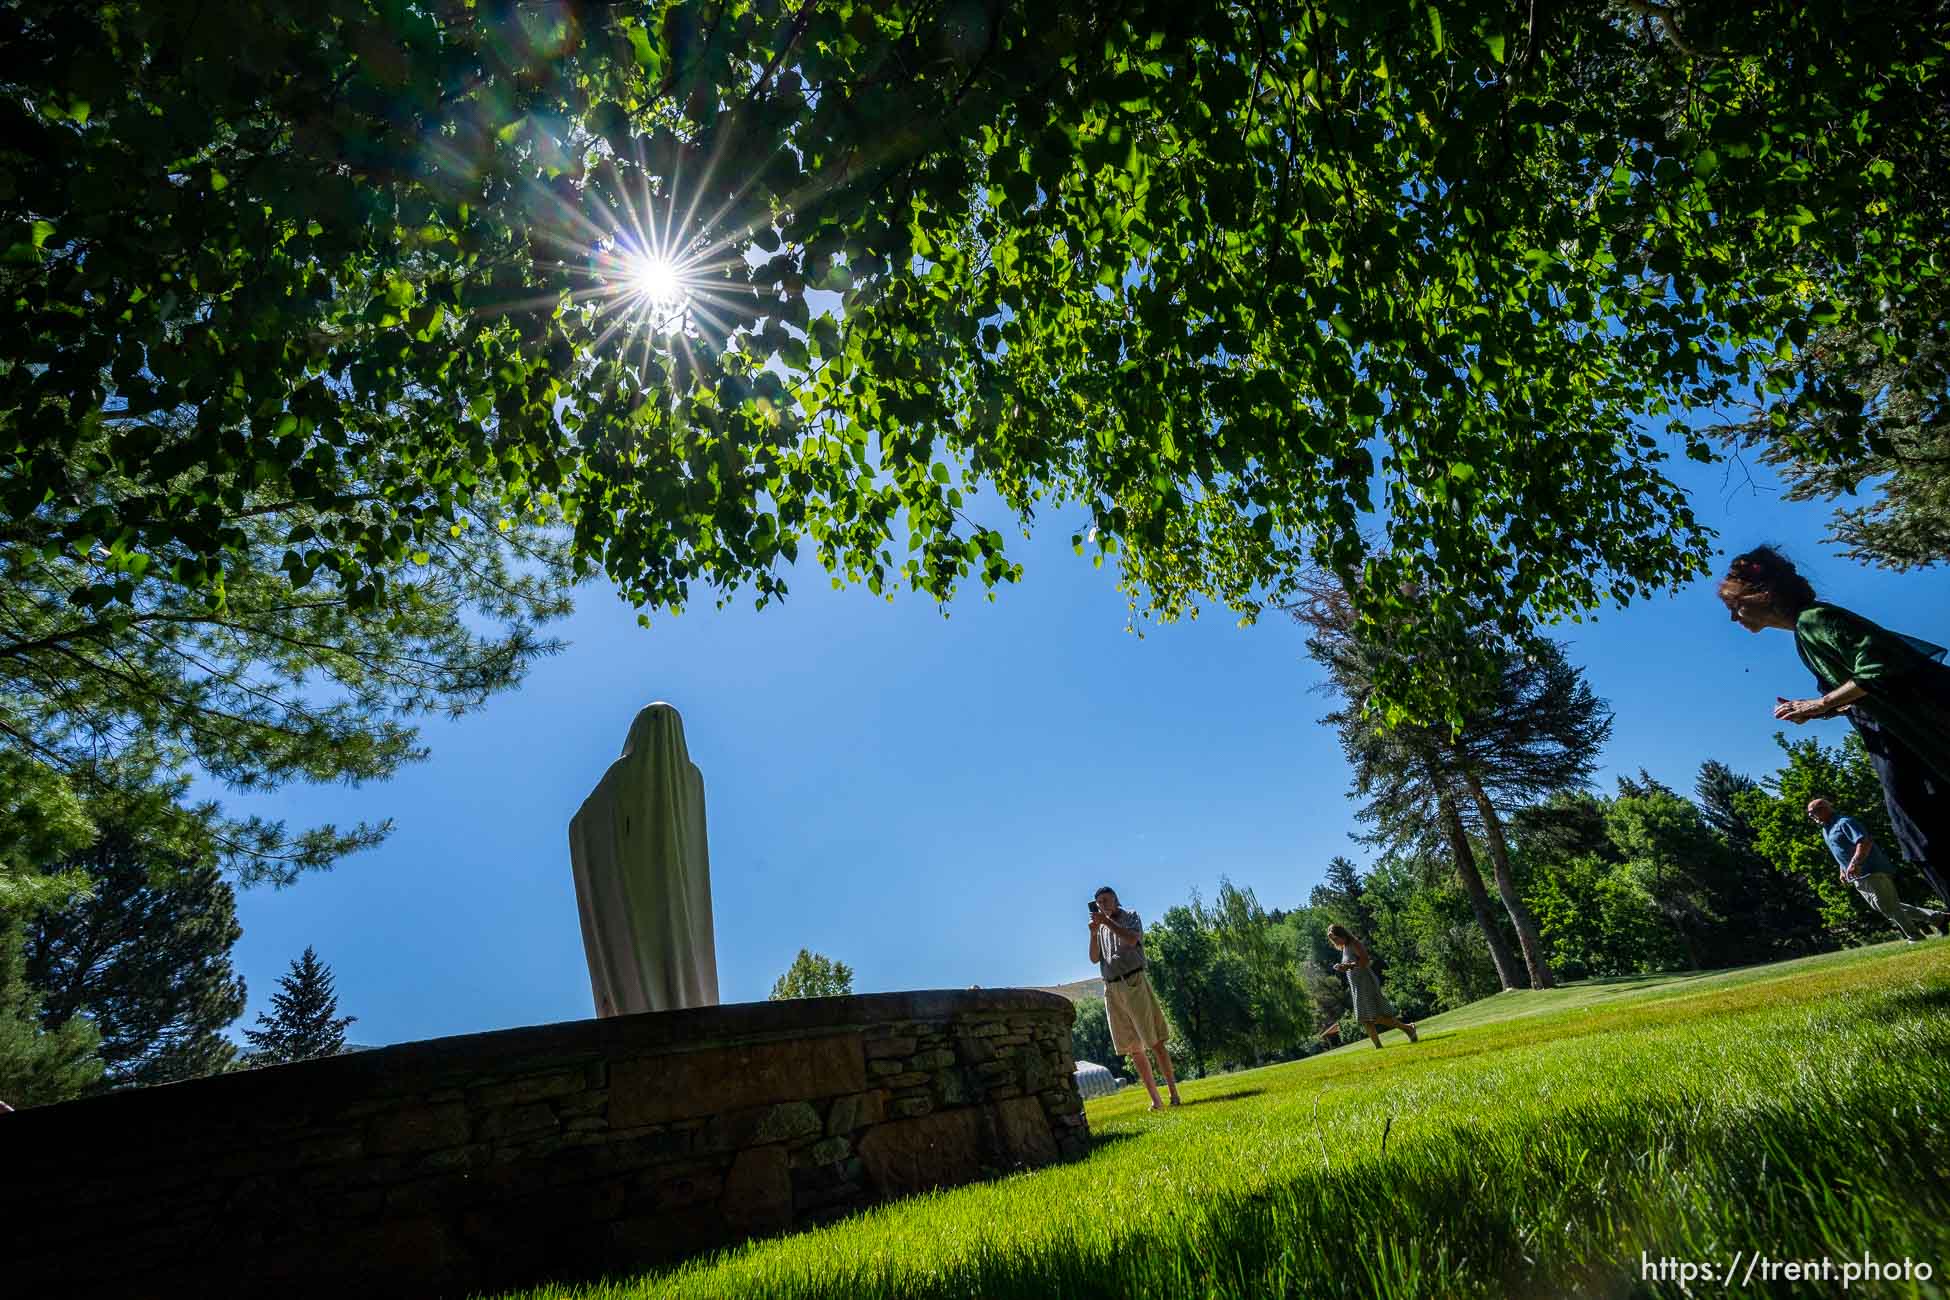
(1479, 897)
(1506, 885)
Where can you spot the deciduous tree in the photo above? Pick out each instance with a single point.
(1786, 837)
(1221, 278)
(812, 975)
(1205, 989)
(1090, 1036)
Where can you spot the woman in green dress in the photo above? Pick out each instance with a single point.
(1893, 689)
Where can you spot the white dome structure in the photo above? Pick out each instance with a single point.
(1093, 1080)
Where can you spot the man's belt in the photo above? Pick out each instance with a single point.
(1118, 979)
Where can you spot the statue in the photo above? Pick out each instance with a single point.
(643, 875)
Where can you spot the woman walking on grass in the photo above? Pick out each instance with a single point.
(1371, 1006)
(1892, 688)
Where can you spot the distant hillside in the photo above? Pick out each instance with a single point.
(1077, 990)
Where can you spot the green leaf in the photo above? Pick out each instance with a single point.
(642, 51)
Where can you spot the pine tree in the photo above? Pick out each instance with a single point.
(813, 975)
(37, 1065)
(304, 1020)
(1530, 726)
(1781, 914)
(1341, 896)
(145, 955)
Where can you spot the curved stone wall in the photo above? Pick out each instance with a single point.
(560, 1151)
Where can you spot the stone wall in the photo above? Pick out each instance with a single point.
(561, 1151)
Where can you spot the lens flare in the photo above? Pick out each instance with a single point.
(659, 274)
(656, 279)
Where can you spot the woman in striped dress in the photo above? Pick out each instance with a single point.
(1371, 1006)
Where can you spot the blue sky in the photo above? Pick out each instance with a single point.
(932, 800)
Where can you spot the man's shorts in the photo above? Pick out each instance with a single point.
(1136, 1019)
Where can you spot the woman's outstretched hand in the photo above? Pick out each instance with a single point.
(1799, 711)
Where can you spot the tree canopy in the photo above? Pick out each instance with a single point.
(1232, 281)
(812, 975)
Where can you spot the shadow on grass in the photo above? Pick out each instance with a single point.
(1471, 1195)
(1101, 1142)
(1238, 1094)
(1920, 1002)
(1551, 1204)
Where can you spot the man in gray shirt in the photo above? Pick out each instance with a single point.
(1136, 1019)
(1864, 865)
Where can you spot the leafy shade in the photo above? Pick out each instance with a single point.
(1224, 278)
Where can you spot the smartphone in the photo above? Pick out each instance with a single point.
(1093, 907)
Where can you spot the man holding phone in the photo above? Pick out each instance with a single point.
(1136, 1019)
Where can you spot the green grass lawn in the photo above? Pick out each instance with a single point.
(1535, 1145)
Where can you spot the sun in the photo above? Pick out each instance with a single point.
(656, 280)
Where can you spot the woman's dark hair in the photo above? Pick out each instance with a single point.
(1339, 932)
(1103, 889)
(1764, 571)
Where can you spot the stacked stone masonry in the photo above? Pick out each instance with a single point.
(563, 1151)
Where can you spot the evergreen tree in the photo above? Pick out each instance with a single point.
(303, 1021)
(1529, 727)
(1565, 824)
(145, 957)
(38, 1065)
(1341, 897)
(1780, 912)
(812, 975)
(1408, 795)
(1892, 456)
